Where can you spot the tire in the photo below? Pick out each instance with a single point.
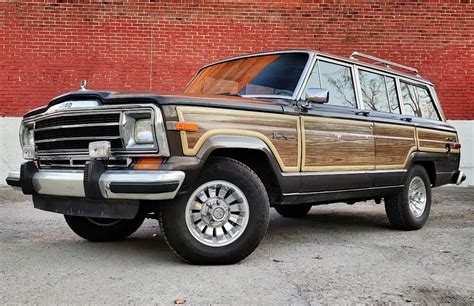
(199, 228)
(102, 229)
(293, 211)
(410, 213)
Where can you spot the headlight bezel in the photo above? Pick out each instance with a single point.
(129, 126)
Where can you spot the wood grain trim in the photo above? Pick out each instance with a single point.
(306, 168)
(182, 110)
(395, 127)
(433, 140)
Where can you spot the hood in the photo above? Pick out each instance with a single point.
(111, 97)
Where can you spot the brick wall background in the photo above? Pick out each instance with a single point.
(47, 47)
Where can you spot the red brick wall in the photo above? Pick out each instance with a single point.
(47, 47)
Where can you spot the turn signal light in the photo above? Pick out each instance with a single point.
(148, 163)
(186, 126)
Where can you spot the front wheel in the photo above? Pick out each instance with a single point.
(410, 207)
(104, 229)
(222, 218)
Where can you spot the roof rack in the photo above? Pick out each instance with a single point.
(378, 61)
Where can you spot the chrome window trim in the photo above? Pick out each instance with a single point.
(399, 93)
(159, 132)
(297, 90)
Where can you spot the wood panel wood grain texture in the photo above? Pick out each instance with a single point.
(287, 151)
(436, 141)
(337, 145)
(393, 146)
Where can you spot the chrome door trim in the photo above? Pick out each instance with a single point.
(340, 190)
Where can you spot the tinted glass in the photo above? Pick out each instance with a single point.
(379, 92)
(338, 80)
(417, 101)
(276, 74)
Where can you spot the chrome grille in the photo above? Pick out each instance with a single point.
(73, 133)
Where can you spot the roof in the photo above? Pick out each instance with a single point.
(417, 78)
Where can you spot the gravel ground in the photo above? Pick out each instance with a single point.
(337, 254)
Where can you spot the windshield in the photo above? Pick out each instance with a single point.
(276, 74)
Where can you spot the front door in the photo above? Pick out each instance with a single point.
(337, 138)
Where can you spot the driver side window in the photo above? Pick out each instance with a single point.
(335, 78)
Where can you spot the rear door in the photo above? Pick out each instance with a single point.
(394, 133)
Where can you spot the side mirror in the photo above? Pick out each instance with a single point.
(317, 95)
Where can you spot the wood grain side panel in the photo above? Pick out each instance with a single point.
(244, 123)
(436, 141)
(393, 146)
(337, 145)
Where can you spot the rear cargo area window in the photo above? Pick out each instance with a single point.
(418, 102)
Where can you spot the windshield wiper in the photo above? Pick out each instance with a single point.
(228, 94)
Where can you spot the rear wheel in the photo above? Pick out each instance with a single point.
(293, 211)
(410, 207)
(103, 229)
(222, 218)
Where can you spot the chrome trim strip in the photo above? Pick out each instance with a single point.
(343, 172)
(341, 190)
(69, 183)
(77, 138)
(76, 126)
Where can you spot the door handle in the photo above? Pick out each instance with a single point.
(363, 113)
(407, 119)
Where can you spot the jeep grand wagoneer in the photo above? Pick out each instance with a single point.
(287, 129)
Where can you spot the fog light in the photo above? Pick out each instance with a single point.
(100, 150)
(143, 131)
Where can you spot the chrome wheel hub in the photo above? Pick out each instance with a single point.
(217, 213)
(417, 196)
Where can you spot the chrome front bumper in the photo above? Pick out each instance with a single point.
(113, 184)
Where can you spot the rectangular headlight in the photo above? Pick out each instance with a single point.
(143, 131)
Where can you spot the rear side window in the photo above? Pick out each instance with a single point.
(379, 92)
(418, 102)
(337, 79)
